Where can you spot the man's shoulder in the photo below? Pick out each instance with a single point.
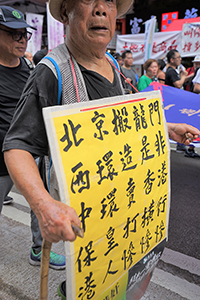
(170, 70)
(125, 70)
(60, 54)
(172, 74)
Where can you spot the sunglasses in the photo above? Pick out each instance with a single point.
(17, 35)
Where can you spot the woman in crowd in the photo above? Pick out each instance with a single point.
(151, 68)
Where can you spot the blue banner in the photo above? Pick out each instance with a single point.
(180, 106)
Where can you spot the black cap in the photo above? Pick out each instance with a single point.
(13, 18)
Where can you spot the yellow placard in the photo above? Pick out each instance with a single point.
(111, 159)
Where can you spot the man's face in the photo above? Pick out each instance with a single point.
(10, 48)
(91, 23)
(128, 60)
(196, 64)
(176, 60)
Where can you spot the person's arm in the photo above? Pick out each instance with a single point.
(196, 88)
(54, 217)
(189, 76)
(161, 77)
(182, 133)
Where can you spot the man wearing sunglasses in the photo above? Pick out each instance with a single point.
(14, 73)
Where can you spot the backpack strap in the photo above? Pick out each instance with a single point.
(112, 60)
(58, 102)
(59, 78)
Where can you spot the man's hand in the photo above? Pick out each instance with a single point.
(55, 220)
(127, 80)
(184, 73)
(182, 133)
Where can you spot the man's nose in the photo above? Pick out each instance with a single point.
(100, 8)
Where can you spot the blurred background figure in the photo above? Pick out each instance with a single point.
(28, 57)
(196, 82)
(175, 74)
(161, 74)
(39, 55)
(175, 77)
(151, 68)
(128, 71)
(118, 58)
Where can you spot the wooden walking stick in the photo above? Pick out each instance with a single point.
(44, 270)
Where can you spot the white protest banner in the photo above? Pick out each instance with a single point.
(35, 20)
(150, 26)
(111, 159)
(190, 39)
(55, 31)
(162, 43)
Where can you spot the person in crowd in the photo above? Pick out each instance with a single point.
(129, 73)
(196, 83)
(14, 73)
(90, 26)
(39, 55)
(118, 58)
(173, 77)
(161, 74)
(29, 60)
(151, 68)
(29, 56)
(195, 80)
(189, 78)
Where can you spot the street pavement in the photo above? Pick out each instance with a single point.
(176, 277)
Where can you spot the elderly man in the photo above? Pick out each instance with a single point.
(90, 25)
(196, 78)
(14, 73)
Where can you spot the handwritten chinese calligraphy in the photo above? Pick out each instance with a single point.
(115, 166)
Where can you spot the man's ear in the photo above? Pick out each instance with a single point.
(63, 13)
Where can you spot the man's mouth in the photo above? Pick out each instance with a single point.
(99, 28)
